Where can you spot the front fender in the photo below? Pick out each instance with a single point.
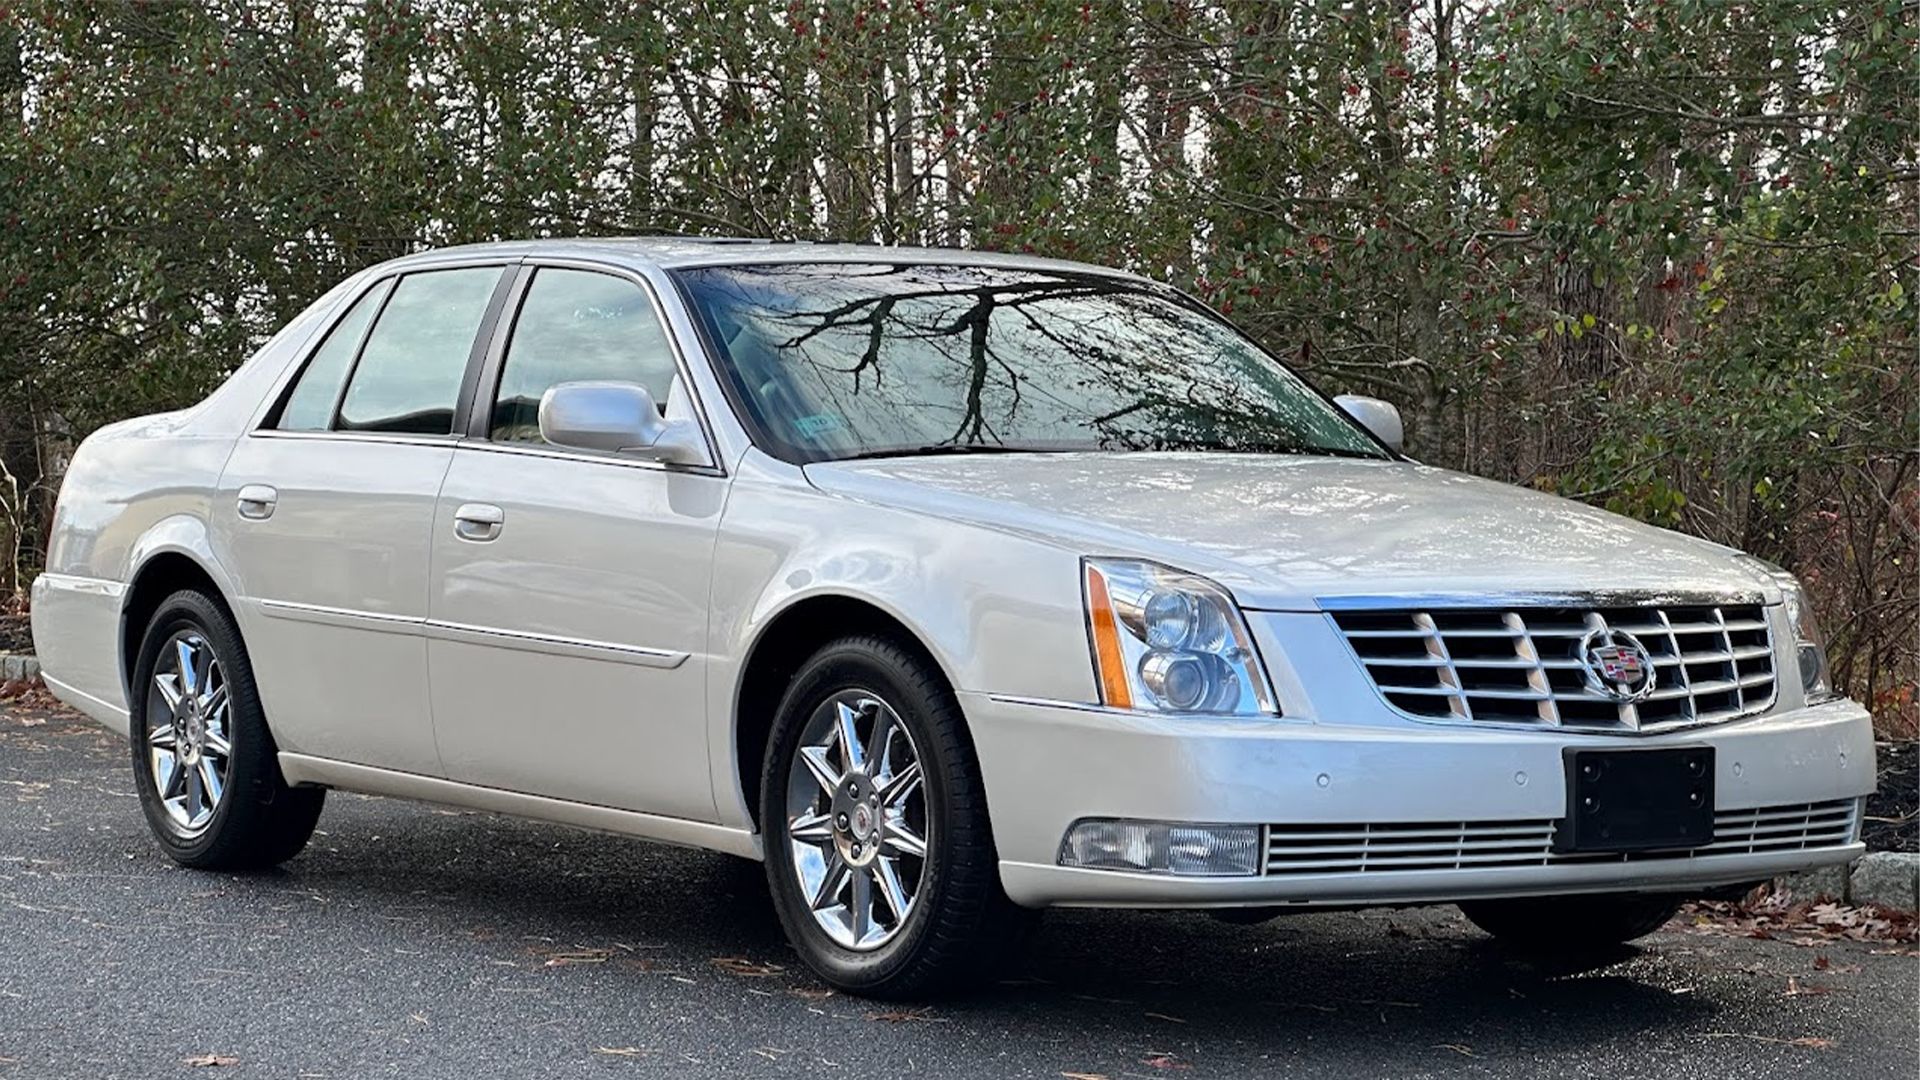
(1000, 613)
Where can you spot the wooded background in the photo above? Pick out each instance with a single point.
(1659, 256)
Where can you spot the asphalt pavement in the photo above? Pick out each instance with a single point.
(418, 941)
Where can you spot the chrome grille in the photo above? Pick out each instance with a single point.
(1372, 847)
(1711, 662)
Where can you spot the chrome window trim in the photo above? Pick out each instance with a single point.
(487, 446)
(284, 383)
(358, 436)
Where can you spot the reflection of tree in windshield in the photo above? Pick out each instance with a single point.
(839, 360)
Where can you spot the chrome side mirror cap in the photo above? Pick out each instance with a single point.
(1379, 417)
(618, 418)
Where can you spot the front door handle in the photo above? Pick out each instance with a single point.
(256, 501)
(478, 522)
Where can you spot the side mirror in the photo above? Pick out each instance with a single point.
(618, 418)
(1379, 417)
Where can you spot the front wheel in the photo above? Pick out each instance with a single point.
(1571, 925)
(878, 851)
(205, 766)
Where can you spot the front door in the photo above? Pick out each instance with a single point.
(325, 515)
(569, 589)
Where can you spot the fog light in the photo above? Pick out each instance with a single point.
(1157, 847)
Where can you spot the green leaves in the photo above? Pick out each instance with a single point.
(1657, 254)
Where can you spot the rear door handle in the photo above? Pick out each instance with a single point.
(256, 501)
(478, 522)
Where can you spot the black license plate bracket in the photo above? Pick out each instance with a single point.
(1637, 800)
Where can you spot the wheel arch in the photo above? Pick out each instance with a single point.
(175, 554)
(785, 640)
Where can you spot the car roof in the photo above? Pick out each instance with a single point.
(674, 252)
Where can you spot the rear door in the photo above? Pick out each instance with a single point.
(325, 514)
(569, 588)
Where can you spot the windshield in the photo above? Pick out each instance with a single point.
(834, 361)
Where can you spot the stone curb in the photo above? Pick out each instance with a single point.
(1889, 879)
(18, 666)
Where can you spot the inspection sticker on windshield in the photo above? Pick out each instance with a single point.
(814, 425)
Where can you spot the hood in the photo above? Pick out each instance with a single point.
(1285, 532)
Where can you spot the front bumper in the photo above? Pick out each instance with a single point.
(1047, 765)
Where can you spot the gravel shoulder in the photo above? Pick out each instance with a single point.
(423, 942)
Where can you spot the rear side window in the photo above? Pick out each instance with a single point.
(310, 406)
(578, 326)
(409, 374)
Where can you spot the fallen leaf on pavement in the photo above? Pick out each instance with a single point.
(1796, 989)
(1458, 1048)
(740, 965)
(1808, 1041)
(1163, 1061)
(579, 956)
(1084, 1076)
(1777, 915)
(905, 1016)
(209, 1061)
(623, 1051)
(1164, 1016)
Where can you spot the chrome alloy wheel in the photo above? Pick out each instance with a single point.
(189, 747)
(857, 823)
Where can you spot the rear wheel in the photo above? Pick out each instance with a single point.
(878, 850)
(204, 763)
(1572, 924)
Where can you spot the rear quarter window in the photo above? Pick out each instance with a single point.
(310, 406)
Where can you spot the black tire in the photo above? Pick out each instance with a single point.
(1572, 925)
(961, 924)
(258, 822)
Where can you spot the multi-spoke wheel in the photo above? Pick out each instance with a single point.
(188, 747)
(857, 819)
(205, 764)
(878, 849)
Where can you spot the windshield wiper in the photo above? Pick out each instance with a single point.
(939, 449)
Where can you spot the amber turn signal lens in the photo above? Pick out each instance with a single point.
(1107, 656)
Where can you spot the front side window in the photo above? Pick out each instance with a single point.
(578, 326)
(833, 361)
(310, 406)
(409, 374)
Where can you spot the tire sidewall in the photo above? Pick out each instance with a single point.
(854, 664)
(246, 730)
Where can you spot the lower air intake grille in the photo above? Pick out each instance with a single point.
(1471, 845)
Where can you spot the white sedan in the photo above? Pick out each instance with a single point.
(950, 585)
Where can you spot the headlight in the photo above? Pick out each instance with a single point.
(1809, 646)
(1166, 641)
